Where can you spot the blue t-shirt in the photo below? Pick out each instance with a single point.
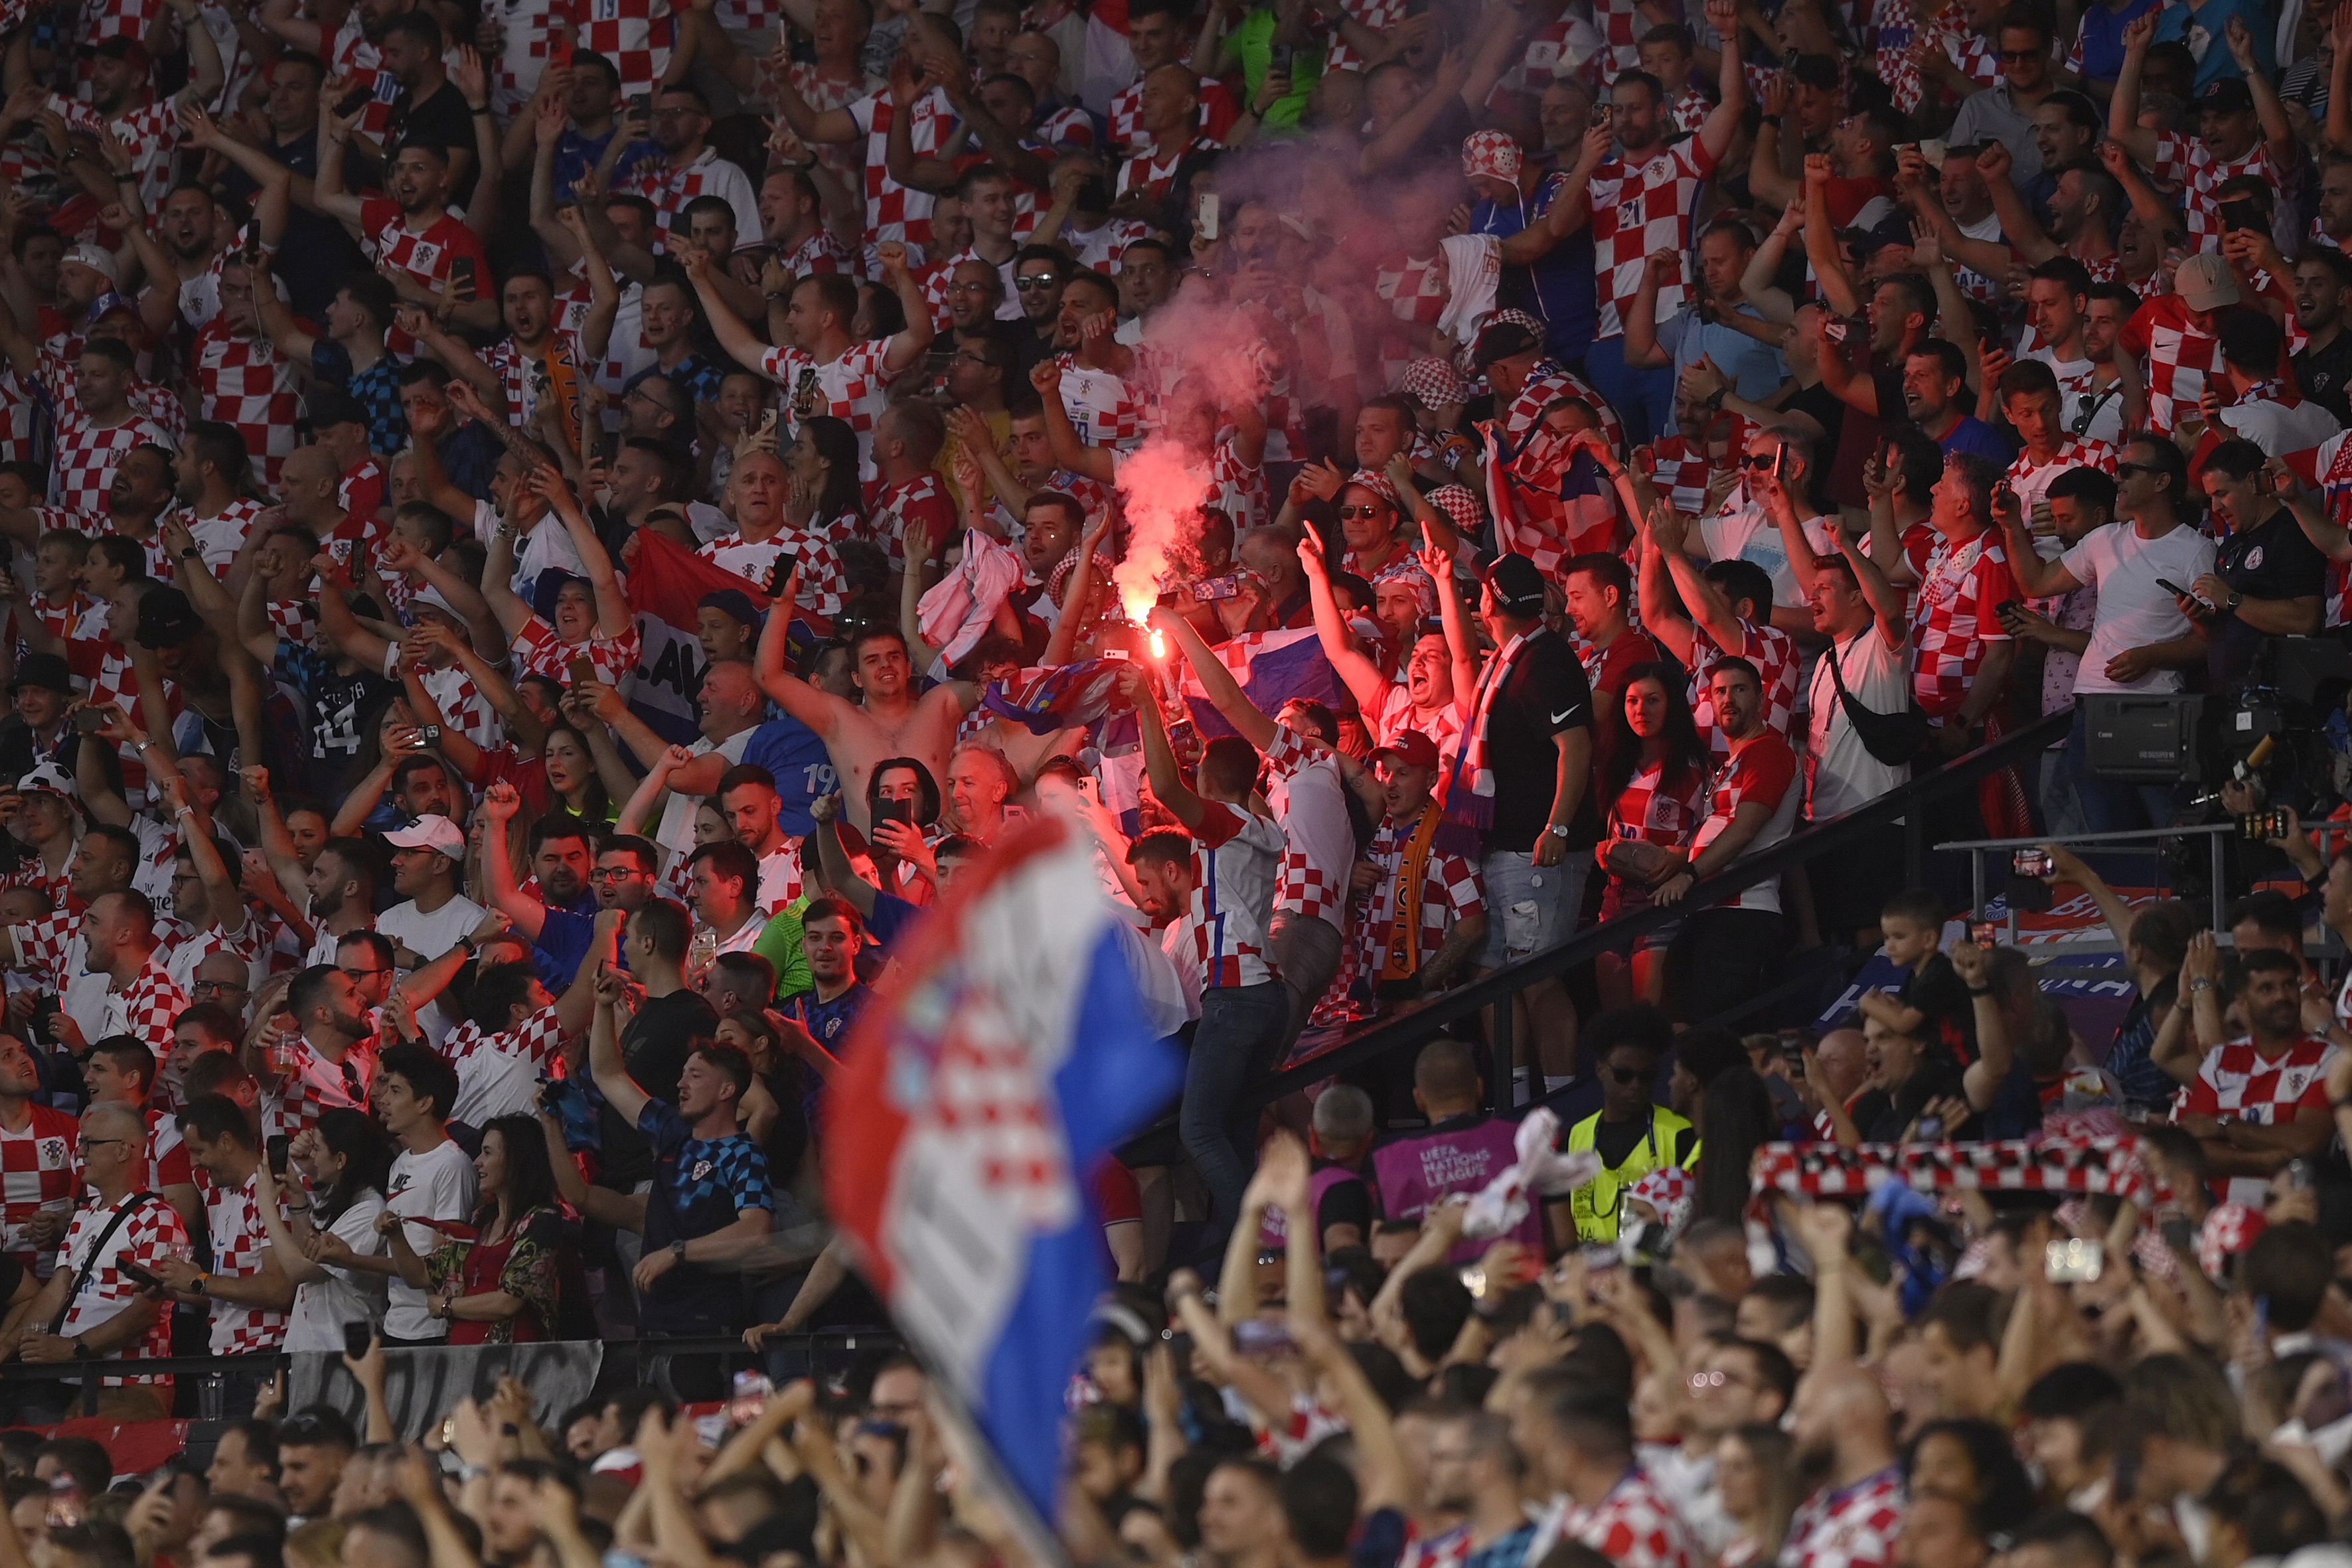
(2102, 38)
(1973, 435)
(701, 1186)
(795, 754)
(891, 917)
(2206, 32)
(829, 1023)
(562, 941)
(1756, 368)
(1558, 289)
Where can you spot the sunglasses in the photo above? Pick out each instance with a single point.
(1362, 510)
(2122, 468)
(1630, 1076)
(1042, 280)
(1759, 460)
(2017, 57)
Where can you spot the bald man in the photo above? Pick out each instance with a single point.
(1463, 1149)
(1842, 1420)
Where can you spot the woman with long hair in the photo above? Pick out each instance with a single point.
(821, 461)
(1755, 1475)
(774, 1109)
(1737, 1115)
(1656, 789)
(572, 779)
(338, 1172)
(504, 1284)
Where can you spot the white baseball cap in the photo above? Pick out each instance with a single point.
(431, 832)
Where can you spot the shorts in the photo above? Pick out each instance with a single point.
(1619, 900)
(1531, 907)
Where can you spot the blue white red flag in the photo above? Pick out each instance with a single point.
(1069, 696)
(1274, 667)
(1011, 1053)
(665, 585)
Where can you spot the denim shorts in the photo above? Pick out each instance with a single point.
(1530, 907)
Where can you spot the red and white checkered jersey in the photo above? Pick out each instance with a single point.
(1855, 1526)
(223, 534)
(1450, 893)
(1620, 25)
(1762, 770)
(853, 388)
(22, 419)
(40, 1168)
(1064, 128)
(1103, 249)
(2328, 465)
(2175, 354)
(538, 649)
(1691, 109)
(166, 1163)
(1955, 619)
(819, 256)
(462, 702)
(1634, 1526)
(2032, 480)
(527, 29)
(152, 1233)
(781, 879)
(1238, 860)
(822, 92)
(1680, 469)
(922, 500)
(1218, 112)
(708, 176)
(1652, 810)
(523, 378)
(234, 1223)
(1398, 715)
(82, 472)
(2186, 164)
(1105, 410)
(1153, 173)
(247, 383)
(2238, 1082)
(150, 134)
(1637, 211)
(147, 1006)
(309, 1083)
(424, 255)
(1415, 289)
(498, 1074)
(1545, 57)
(1311, 804)
(1773, 654)
(636, 35)
(1235, 488)
(354, 54)
(893, 211)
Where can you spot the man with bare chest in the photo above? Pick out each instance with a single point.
(891, 720)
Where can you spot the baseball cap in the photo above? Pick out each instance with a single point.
(97, 260)
(166, 619)
(732, 603)
(1412, 748)
(2227, 95)
(1503, 340)
(431, 598)
(434, 832)
(51, 777)
(2205, 282)
(45, 670)
(1518, 585)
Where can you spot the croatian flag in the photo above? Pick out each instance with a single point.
(667, 583)
(1274, 667)
(1011, 1056)
(1068, 697)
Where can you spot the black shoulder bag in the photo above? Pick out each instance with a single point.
(1893, 739)
(131, 1205)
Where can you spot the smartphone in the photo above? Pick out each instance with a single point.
(2177, 1233)
(1780, 461)
(144, 1279)
(1985, 933)
(352, 102)
(2242, 213)
(357, 1336)
(780, 571)
(1284, 58)
(1211, 588)
(1835, 329)
(2179, 592)
(752, 1392)
(1474, 1279)
(2298, 1175)
(2074, 1261)
(895, 811)
(805, 388)
(2127, 1481)
(1931, 1130)
(2033, 863)
(89, 720)
(642, 106)
(2260, 826)
(558, 55)
(462, 282)
(583, 669)
(428, 734)
(1604, 115)
(1212, 209)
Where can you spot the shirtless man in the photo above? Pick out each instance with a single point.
(890, 722)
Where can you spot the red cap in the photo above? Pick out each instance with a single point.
(1412, 748)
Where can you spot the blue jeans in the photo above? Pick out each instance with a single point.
(2111, 806)
(1241, 1028)
(1643, 399)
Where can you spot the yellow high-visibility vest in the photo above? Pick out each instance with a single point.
(1671, 1140)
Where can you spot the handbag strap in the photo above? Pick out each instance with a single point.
(131, 1205)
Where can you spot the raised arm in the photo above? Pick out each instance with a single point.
(1167, 785)
(1224, 693)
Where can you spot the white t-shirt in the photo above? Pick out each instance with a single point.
(2279, 428)
(429, 936)
(2133, 611)
(435, 1185)
(676, 830)
(340, 1295)
(1742, 531)
(1845, 775)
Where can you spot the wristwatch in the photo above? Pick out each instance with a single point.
(678, 1251)
(1556, 830)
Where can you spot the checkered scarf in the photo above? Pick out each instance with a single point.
(1470, 812)
(1670, 1191)
(2228, 1230)
(2110, 1165)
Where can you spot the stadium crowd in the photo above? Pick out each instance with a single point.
(540, 537)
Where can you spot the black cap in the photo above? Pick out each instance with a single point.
(1518, 585)
(166, 619)
(327, 408)
(2226, 95)
(1502, 340)
(46, 670)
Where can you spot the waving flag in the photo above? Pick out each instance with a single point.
(1069, 696)
(950, 1159)
(1274, 667)
(667, 583)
